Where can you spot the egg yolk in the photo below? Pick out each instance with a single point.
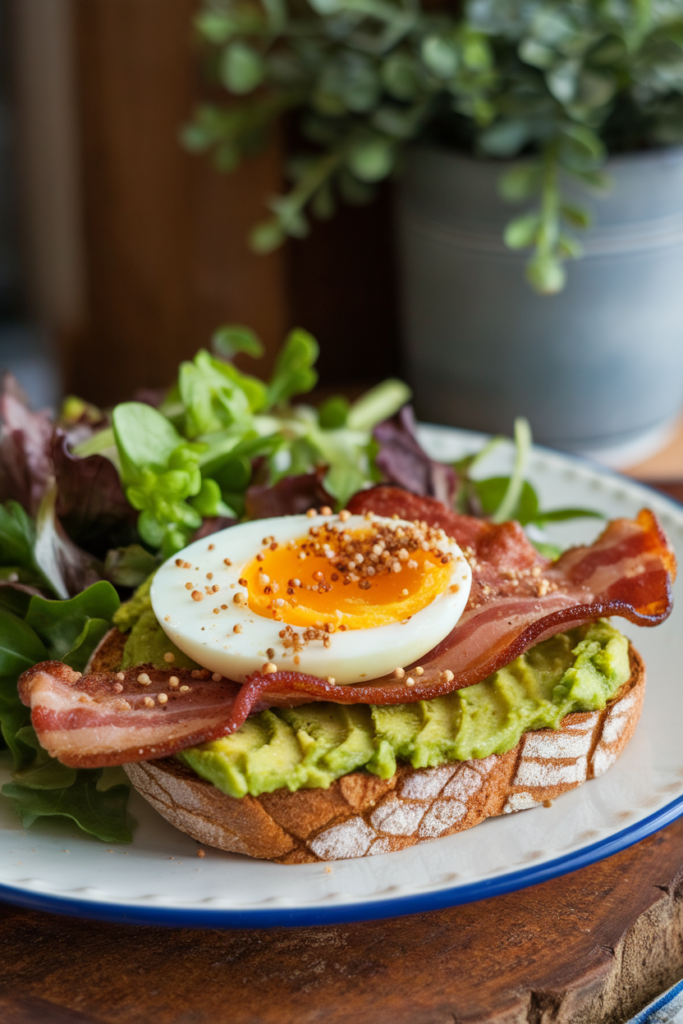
(299, 585)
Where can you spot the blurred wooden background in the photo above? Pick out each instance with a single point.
(135, 251)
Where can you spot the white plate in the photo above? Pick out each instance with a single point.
(159, 879)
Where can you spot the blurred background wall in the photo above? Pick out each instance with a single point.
(119, 252)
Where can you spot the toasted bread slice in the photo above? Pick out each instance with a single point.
(361, 814)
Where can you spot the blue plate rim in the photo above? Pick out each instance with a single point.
(372, 909)
(367, 910)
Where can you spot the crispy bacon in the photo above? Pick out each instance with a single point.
(107, 719)
(518, 598)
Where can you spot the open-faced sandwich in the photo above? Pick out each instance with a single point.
(329, 684)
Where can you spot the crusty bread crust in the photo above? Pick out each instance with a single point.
(361, 814)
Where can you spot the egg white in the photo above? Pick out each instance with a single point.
(352, 656)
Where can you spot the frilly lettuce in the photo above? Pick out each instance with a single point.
(219, 431)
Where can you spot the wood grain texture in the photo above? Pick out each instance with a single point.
(589, 948)
(166, 253)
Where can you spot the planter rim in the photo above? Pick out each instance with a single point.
(644, 156)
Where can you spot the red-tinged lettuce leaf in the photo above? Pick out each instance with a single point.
(15, 594)
(68, 568)
(151, 396)
(91, 505)
(130, 566)
(402, 460)
(213, 525)
(25, 448)
(290, 496)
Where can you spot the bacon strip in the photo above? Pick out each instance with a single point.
(517, 599)
(102, 719)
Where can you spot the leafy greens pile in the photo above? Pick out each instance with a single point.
(90, 503)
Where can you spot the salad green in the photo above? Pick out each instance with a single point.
(92, 501)
(193, 457)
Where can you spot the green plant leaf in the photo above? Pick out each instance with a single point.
(130, 566)
(547, 275)
(72, 629)
(580, 148)
(569, 248)
(20, 645)
(372, 159)
(378, 404)
(42, 771)
(578, 216)
(476, 53)
(241, 68)
(294, 373)
(559, 515)
(492, 491)
(551, 551)
(14, 716)
(522, 231)
(440, 56)
(99, 813)
(326, 7)
(515, 486)
(401, 76)
(235, 474)
(233, 338)
(506, 137)
(333, 413)
(17, 536)
(266, 237)
(520, 182)
(216, 28)
(209, 502)
(144, 438)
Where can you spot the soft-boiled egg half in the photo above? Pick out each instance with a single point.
(343, 597)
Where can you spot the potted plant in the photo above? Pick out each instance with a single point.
(474, 106)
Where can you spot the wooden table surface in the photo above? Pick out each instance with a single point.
(592, 947)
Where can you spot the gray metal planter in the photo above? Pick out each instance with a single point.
(597, 368)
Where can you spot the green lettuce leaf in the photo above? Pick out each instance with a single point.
(294, 373)
(20, 645)
(99, 812)
(17, 537)
(72, 629)
(67, 630)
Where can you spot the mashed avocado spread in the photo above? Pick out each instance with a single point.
(312, 745)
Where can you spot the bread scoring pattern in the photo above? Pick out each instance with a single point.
(361, 815)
